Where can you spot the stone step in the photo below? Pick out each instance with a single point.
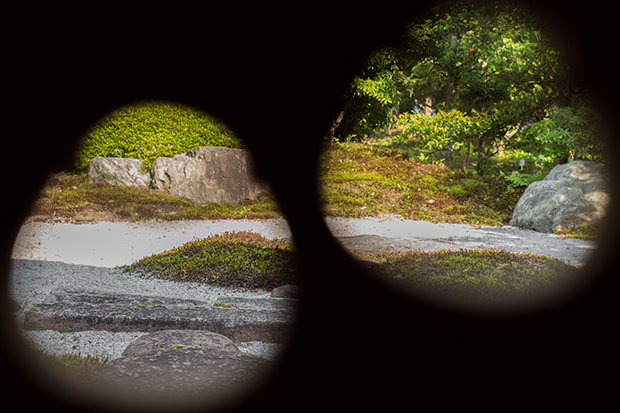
(179, 362)
(240, 319)
(283, 304)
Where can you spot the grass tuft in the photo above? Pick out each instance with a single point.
(83, 368)
(588, 232)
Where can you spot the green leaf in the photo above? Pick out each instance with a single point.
(177, 346)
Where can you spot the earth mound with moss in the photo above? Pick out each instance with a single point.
(232, 259)
(247, 260)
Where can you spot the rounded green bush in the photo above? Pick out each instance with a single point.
(148, 130)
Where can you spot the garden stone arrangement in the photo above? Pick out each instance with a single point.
(203, 174)
(240, 319)
(91, 298)
(190, 345)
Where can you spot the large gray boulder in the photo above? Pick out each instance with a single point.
(286, 291)
(118, 171)
(178, 362)
(164, 340)
(572, 194)
(208, 174)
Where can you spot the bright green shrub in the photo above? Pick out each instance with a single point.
(520, 179)
(571, 130)
(148, 130)
(446, 128)
(476, 133)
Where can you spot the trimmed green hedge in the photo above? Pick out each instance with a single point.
(148, 130)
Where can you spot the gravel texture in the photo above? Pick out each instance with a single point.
(109, 244)
(33, 280)
(49, 256)
(426, 236)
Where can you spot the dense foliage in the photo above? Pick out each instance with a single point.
(454, 131)
(147, 130)
(570, 132)
(481, 56)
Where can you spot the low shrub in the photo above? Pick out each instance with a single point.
(148, 130)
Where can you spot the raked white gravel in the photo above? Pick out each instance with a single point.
(48, 256)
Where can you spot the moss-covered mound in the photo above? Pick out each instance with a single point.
(473, 276)
(246, 259)
(362, 181)
(232, 259)
(70, 198)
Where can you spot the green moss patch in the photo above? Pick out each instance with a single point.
(478, 275)
(355, 181)
(245, 259)
(70, 197)
(263, 207)
(359, 180)
(232, 259)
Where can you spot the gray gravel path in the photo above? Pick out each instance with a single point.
(426, 236)
(48, 256)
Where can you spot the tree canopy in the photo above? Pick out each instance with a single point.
(481, 58)
(494, 63)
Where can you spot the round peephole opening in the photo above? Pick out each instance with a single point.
(159, 268)
(466, 164)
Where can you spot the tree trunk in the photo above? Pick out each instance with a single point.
(466, 163)
(334, 126)
(482, 157)
(563, 81)
(336, 121)
(428, 106)
(450, 90)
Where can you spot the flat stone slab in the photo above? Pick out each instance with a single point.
(372, 244)
(182, 362)
(284, 304)
(254, 320)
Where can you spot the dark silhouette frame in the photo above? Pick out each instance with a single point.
(276, 75)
